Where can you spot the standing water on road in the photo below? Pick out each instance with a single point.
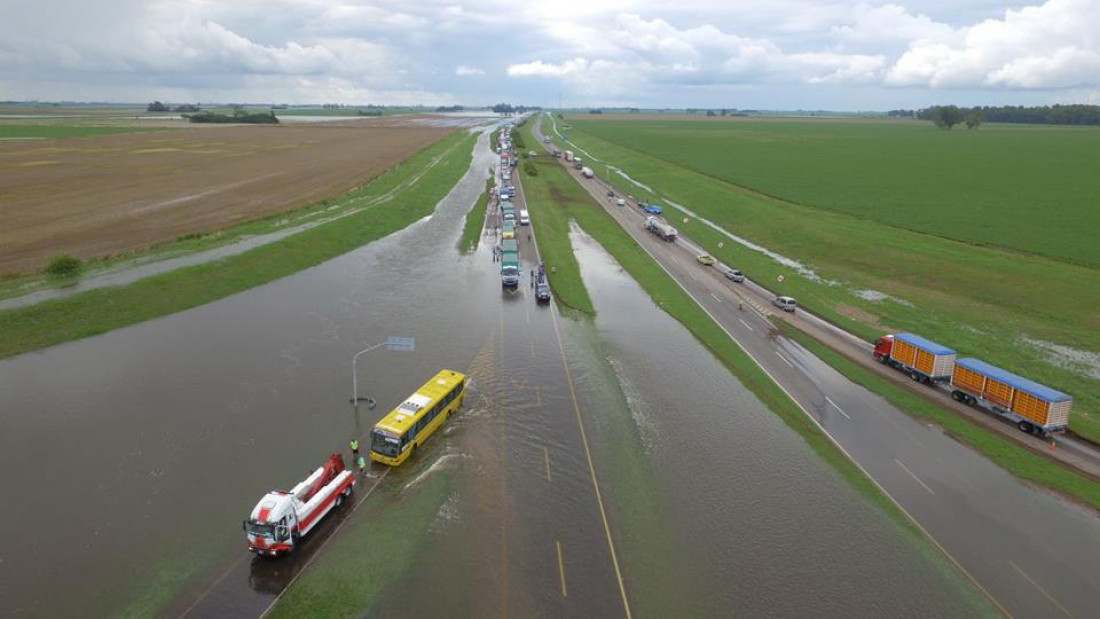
(750, 509)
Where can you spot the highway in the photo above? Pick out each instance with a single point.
(1031, 553)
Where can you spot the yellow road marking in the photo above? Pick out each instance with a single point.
(911, 474)
(546, 457)
(591, 465)
(1041, 590)
(561, 571)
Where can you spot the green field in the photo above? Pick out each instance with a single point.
(1026, 188)
(988, 302)
(54, 131)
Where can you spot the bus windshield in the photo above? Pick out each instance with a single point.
(385, 444)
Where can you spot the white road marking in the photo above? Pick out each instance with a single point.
(784, 359)
(1041, 590)
(746, 325)
(911, 474)
(716, 297)
(830, 401)
(692, 276)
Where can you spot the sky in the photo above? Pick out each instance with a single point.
(778, 54)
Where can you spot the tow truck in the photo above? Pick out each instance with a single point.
(281, 519)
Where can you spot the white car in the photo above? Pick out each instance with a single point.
(736, 276)
(620, 202)
(787, 304)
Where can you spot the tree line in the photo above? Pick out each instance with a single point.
(238, 116)
(1073, 114)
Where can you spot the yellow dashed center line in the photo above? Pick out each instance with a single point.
(561, 571)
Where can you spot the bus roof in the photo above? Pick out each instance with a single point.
(509, 245)
(401, 418)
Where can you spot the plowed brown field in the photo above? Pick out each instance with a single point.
(109, 194)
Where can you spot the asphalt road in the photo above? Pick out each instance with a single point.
(1032, 554)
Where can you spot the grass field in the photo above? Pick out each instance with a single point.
(99, 311)
(52, 131)
(1002, 306)
(1025, 188)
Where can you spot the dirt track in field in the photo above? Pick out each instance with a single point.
(111, 194)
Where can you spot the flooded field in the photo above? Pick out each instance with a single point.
(595, 466)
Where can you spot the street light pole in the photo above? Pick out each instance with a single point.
(355, 375)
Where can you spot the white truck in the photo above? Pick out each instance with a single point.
(281, 519)
(569, 155)
(587, 172)
(661, 229)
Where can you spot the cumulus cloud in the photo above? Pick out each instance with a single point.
(465, 70)
(1054, 45)
(653, 50)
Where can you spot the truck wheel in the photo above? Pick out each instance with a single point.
(958, 396)
(1026, 427)
(339, 500)
(914, 376)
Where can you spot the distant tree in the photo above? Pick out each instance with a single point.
(974, 118)
(187, 107)
(947, 116)
(157, 106)
(723, 112)
(595, 111)
(711, 113)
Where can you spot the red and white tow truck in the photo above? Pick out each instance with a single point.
(281, 519)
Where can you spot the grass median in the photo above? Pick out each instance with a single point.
(1006, 454)
(555, 196)
(98, 311)
(475, 222)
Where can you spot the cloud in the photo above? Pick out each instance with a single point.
(539, 68)
(654, 51)
(1054, 45)
(465, 70)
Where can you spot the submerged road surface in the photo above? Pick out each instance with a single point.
(1032, 553)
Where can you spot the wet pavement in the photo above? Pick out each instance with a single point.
(138, 453)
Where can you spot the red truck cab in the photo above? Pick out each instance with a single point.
(883, 345)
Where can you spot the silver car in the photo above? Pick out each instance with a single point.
(787, 304)
(736, 276)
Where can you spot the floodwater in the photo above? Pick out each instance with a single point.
(133, 456)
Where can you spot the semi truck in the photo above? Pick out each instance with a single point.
(281, 519)
(587, 172)
(569, 155)
(578, 163)
(660, 228)
(1034, 408)
(924, 360)
(509, 268)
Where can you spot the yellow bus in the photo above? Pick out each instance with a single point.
(395, 438)
(508, 231)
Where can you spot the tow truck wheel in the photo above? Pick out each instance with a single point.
(1026, 427)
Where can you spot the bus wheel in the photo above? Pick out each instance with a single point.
(339, 500)
(1026, 427)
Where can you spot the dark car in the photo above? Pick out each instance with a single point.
(542, 291)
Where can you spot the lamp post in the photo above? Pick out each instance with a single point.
(391, 343)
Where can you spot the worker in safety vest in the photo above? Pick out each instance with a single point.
(354, 449)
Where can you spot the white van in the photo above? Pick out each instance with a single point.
(787, 304)
(524, 218)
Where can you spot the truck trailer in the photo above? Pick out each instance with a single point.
(569, 155)
(509, 268)
(1035, 408)
(281, 519)
(660, 228)
(924, 360)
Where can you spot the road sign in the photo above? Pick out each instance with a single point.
(400, 343)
